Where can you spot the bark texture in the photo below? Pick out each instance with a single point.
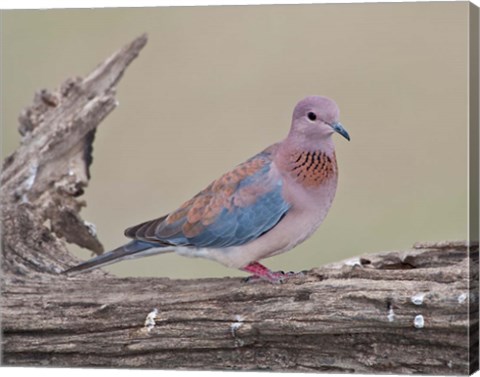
(406, 311)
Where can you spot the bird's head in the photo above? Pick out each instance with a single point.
(315, 118)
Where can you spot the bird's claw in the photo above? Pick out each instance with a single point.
(278, 277)
(260, 272)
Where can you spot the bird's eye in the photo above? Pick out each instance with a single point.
(311, 116)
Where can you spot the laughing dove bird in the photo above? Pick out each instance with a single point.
(263, 207)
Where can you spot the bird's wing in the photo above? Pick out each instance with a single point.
(237, 208)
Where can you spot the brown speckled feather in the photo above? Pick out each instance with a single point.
(191, 218)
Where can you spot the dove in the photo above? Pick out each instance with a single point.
(263, 207)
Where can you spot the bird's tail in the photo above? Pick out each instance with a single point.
(131, 250)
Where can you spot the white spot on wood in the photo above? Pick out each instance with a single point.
(419, 322)
(391, 315)
(233, 330)
(418, 298)
(28, 182)
(353, 262)
(462, 298)
(92, 229)
(450, 364)
(32, 171)
(150, 320)
(57, 269)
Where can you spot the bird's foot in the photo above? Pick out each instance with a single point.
(261, 273)
(274, 277)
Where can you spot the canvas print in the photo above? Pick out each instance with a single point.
(268, 187)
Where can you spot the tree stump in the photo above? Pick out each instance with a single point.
(412, 311)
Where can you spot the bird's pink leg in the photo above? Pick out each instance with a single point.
(259, 271)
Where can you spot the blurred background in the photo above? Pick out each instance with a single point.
(215, 85)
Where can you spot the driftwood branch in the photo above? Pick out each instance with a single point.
(42, 180)
(396, 312)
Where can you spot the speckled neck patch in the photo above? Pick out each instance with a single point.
(313, 168)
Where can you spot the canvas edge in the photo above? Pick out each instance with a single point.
(473, 163)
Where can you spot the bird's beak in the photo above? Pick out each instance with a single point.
(338, 128)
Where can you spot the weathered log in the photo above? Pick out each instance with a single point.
(395, 312)
(402, 312)
(42, 180)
